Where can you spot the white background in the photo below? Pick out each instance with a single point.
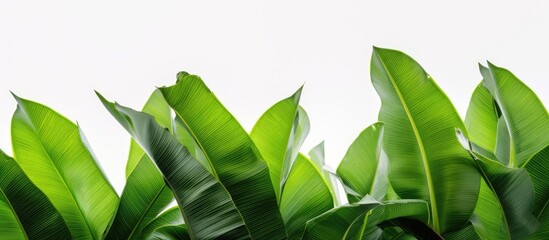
(252, 54)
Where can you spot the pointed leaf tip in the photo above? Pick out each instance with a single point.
(297, 95)
(99, 95)
(17, 98)
(380, 49)
(491, 65)
(103, 100)
(480, 66)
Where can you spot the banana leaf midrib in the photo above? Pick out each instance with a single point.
(55, 167)
(493, 190)
(14, 213)
(424, 159)
(150, 204)
(213, 172)
(121, 110)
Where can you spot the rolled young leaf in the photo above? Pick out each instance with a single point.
(25, 212)
(425, 158)
(53, 153)
(235, 159)
(208, 209)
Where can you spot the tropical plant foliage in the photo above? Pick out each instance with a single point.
(419, 173)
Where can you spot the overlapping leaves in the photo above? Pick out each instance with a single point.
(405, 177)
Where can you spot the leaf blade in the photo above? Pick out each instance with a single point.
(524, 114)
(363, 167)
(49, 148)
(234, 157)
(425, 159)
(206, 206)
(33, 214)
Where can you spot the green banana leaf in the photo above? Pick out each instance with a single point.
(523, 113)
(179, 232)
(170, 217)
(53, 153)
(145, 194)
(488, 215)
(364, 169)
(526, 124)
(207, 207)
(235, 159)
(186, 139)
(349, 221)
(364, 166)
(396, 233)
(25, 212)
(482, 124)
(305, 196)
(425, 158)
(157, 107)
(514, 195)
(481, 120)
(518, 114)
(418, 229)
(279, 134)
(538, 168)
(468, 232)
(144, 197)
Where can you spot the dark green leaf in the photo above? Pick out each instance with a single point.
(144, 197)
(205, 204)
(235, 159)
(25, 212)
(514, 194)
(170, 217)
